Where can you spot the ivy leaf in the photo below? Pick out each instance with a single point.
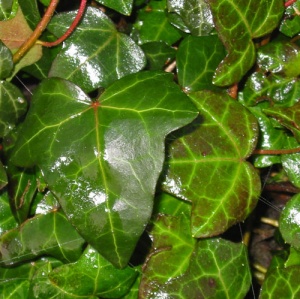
(122, 6)
(289, 222)
(288, 117)
(207, 164)
(31, 12)
(12, 106)
(193, 16)
(6, 62)
(13, 33)
(86, 57)
(7, 220)
(281, 283)
(8, 9)
(237, 23)
(103, 280)
(197, 59)
(181, 267)
(3, 176)
(119, 142)
(152, 25)
(290, 23)
(49, 234)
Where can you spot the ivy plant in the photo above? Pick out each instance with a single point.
(136, 139)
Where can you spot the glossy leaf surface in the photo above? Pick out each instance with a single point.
(8, 9)
(282, 283)
(122, 6)
(217, 143)
(289, 224)
(3, 176)
(49, 234)
(6, 63)
(7, 220)
(193, 16)
(237, 23)
(290, 24)
(121, 144)
(86, 57)
(197, 59)
(152, 25)
(94, 276)
(212, 268)
(12, 106)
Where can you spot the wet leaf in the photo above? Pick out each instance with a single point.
(152, 25)
(94, 276)
(49, 234)
(12, 106)
(281, 283)
(158, 55)
(13, 33)
(120, 144)
(192, 16)
(237, 24)
(288, 117)
(197, 59)
(211, 268)
(7, 220)
(6, 63)
(8, 9)
(31, 12)
(289, 223)
(207, 164)
(86, 57)
(290, 24)
(122, 6)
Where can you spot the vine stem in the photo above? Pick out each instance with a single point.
(276, 152)
(72, 27)
(33, 39)
(289, 3)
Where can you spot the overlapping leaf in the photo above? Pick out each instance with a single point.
(96, 54)
(290, 24)
(152, 25)
(122, 6)
(102, 159)
(197, 59)
(6, 63)
(207, 164)
(7, 220)
(12, 106)
(237, 23)
(8, 9)
(181, 267)
(191, 16)
(3, 176)
(49, 234)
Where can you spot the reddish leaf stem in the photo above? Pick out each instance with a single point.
(72, 27)
(289, 3)
(276, 152)
(29, 43)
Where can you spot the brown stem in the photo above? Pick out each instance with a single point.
(276, 152)
(37, 32)
(72, 27)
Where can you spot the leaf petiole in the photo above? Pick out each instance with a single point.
(276, 152)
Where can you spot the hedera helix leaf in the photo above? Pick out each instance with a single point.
(237, 23)
(8, 9)
(289, 223)
(192, 16)
(49, 234)
(96, 54)
(181, 267)
(3, 176)
(197, 59)
(207, 166)
(12, 106)
(6, 63)
(122, 6)
(94, 276)
(102, 159)
(7, 220)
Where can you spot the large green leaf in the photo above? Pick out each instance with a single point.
(122, 6)
(6, 62)
(290, 24)
(192, 16)
(7, 220)
(8, 9)
(181, 267)
(152, 25)
(197, 59)
(237, 23)
(207, 164)
(96, 54)
(94, 276)
(49, 234)
(12, 106)
(104, 176)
